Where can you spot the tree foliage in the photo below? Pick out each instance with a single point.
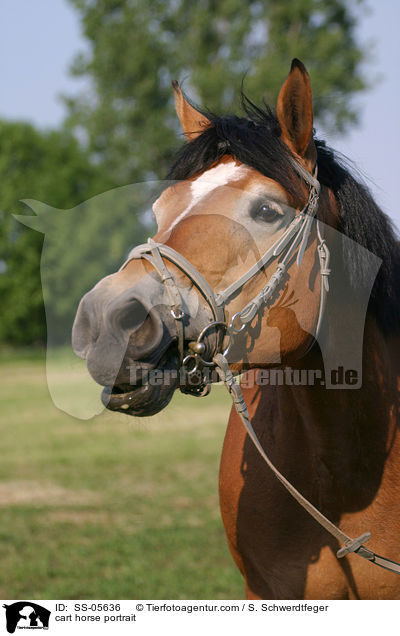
(127, 122)
(48, 166)
(138, 46)
(85, 243)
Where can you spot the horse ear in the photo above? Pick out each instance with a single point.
(193, 123)
(295, 113)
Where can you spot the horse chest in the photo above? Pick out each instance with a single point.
(281, 551)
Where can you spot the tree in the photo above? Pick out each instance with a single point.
(138, 46)
(49, 166)
(85, 243)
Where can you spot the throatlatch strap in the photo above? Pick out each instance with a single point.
(350, 545)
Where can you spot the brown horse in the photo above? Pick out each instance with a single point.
(237, 191)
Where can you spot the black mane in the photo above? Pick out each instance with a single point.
(255, 141)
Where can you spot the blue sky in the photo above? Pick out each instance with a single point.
(38, 40)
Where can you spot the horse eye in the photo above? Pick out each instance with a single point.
(267, 213)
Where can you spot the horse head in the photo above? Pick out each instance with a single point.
(240, 189)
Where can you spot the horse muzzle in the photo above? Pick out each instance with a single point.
(129, 343)
(149, 389)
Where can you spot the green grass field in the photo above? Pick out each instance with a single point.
(112, 507)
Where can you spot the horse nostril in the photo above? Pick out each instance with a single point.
(141, 324)
(133, 316)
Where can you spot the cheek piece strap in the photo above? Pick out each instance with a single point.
(294, 238)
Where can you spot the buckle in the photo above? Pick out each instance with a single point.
(354, 545)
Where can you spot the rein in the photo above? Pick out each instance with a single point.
(295, 237)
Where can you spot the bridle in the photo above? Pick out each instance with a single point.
(295, 237)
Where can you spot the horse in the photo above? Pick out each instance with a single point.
(242, 192)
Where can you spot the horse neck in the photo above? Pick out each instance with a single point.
(349, 435)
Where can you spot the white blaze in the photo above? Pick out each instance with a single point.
(220, 175)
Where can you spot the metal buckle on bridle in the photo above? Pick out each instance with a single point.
(177, 316)
(231, 327)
